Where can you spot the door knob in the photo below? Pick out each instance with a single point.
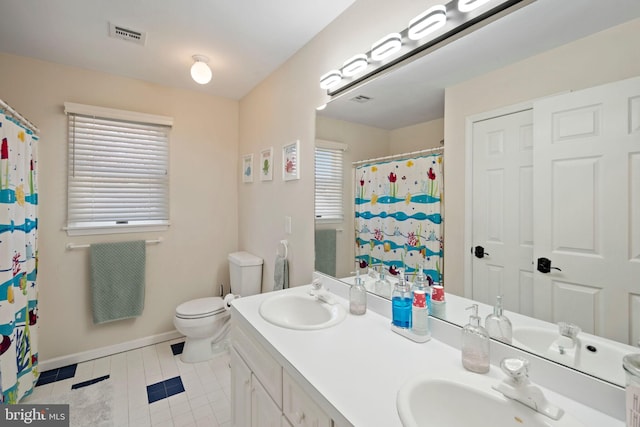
(479, 252)
(544, 265)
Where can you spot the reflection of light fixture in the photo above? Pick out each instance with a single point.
(469, 5)
(200, 71)
(386, 46)
(355, 65)
(427, 22)
(330, 79)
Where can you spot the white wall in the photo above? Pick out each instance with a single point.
(192, 259)
(601, 58)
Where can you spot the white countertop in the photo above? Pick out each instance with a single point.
(356, 367)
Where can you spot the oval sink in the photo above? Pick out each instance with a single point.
(301, 311)
(433, 402)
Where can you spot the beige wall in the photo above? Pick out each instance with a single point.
(417, 137)
(192, 259)
(601, 58)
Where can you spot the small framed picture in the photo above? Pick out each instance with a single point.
(266, 164)
(291, 161)
(247, 168)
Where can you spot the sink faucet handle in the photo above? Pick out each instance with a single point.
(516, 368)
(316, 284)
(568, 330)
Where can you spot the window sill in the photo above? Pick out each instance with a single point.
(96, 229)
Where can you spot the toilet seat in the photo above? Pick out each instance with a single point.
(200, 308)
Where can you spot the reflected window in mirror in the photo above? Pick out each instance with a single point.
(329, 181)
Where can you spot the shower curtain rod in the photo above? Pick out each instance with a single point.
(393, 156)
(8, 109)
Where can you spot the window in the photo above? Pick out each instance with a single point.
(118, 178)
(329, 181)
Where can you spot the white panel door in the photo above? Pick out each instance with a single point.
(587, 208)
(502, 211)
(240, 391)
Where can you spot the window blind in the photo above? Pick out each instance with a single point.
(329, 184)
(118, 172)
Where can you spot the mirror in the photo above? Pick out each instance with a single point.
(403, 111)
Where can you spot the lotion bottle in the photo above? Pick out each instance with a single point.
(475, 344)
(498, 325)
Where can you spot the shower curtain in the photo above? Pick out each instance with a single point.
(398, 218)
(18, 260)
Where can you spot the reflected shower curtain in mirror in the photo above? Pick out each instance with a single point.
(397, 215)
(18, 261)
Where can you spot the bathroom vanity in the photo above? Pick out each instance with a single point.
(349, 374)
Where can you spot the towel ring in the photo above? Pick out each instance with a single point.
(285, 247)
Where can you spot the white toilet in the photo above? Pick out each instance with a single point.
(205, 321)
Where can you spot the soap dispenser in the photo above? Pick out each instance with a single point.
(475, 344)
(498, 325)
(382, 286)
(401, 303)
(358, 296)
(421, 294)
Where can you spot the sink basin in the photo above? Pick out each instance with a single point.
(431, 402)
(301, 311)
(599, 357)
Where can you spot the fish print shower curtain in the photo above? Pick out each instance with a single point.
(398, 218)
(18, 260)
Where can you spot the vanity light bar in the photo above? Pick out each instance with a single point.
(355, 65)
(330, 79)
(469, 5)
(386, 46)
(428, 22)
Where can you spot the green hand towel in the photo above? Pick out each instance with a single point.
(117, 280)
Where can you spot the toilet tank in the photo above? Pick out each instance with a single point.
(245, 271)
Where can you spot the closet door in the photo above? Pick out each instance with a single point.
(502, 211)
(587, 208)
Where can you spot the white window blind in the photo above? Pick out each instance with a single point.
(329, 182)
(118, 172)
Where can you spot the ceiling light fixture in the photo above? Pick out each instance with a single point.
(469, 5)
(386, 46)
(330, 79)
(355, 65)
(200, 71)
(427, 22)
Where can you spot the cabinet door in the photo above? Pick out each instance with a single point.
(264, 411)
(299, 408)
(240, 391)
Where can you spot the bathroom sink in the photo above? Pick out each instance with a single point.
(301, 311)
(596, 356)
(426, 401)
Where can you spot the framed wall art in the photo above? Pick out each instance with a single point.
(266, 164)
(247, 168)
(291, 161)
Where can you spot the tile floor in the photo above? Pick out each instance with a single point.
(152, 386)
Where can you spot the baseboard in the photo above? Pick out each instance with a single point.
(84, 356)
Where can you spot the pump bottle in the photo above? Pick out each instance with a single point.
(401, 303)
(475, 344)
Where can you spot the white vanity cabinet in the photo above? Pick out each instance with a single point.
(263, 394)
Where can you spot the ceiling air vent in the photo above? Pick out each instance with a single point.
(127, 34)
(361, 99)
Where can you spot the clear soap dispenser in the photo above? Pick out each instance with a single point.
(358, 296)
(475, 344)
(421, 293)
(498, 325)
(382, 286)
(401, 303)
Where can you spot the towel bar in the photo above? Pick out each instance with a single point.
(70, 246)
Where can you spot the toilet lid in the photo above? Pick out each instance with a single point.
(201, 307)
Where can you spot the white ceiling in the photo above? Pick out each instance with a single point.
(414, 93)
(245, 40)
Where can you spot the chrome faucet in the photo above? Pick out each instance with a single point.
(321, 294)
(566, 348)
(518, 387)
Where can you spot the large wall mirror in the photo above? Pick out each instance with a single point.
(404, 112)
